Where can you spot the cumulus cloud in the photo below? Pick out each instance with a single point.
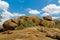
(30, 11)
(45, 14)
(17, 14)
(58, 1)
(51, 9)
(4, 5)
(55, 17)
(6, 15)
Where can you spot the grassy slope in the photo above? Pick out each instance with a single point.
(31, 33)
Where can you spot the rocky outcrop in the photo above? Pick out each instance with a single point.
(15, 20)
(48, 18)
(10, 25)
(27, 21)
(37, 30)
(33, 33)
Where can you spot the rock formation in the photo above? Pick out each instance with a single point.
(9, 25)
(27, 21)
(48, 18)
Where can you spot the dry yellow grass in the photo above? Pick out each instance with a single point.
(31, 33)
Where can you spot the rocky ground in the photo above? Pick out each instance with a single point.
(33, 33)
(30, 28)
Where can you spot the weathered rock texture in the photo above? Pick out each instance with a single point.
(33, 33)
(27, 21)
(48, 18)
(9, 25)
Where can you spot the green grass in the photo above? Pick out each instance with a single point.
(25, 24)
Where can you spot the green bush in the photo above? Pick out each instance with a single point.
(25, 24)
(20, 27)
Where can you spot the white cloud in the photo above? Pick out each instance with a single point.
(55, 17)
(33, 11)
(58, 1)
(51, 9)
(45, 14)
(6, 14)
(4, 5)
(17, 14)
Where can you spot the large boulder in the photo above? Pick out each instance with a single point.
(15, 20)
(43, 23)
(9, 25)
(48, 18)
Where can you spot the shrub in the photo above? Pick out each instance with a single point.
(20, 27)
(25, 24)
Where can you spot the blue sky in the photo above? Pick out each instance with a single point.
(40, 8)
(20, 6)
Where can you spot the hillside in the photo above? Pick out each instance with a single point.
(32, 33)
(30, 28)
(28, 21)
